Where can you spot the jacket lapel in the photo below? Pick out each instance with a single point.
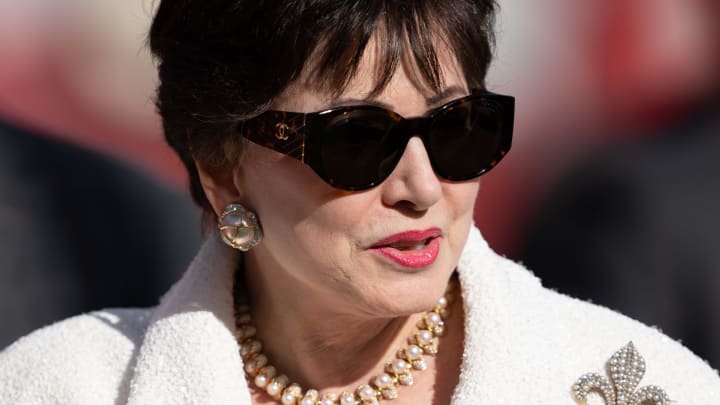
(492, 361)
(189, 354)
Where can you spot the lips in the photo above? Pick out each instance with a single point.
(413, 249)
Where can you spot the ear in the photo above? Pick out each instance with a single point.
(219, 185)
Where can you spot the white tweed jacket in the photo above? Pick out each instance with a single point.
(524, 345)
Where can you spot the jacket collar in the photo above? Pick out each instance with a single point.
(189, 354)
(494, 340)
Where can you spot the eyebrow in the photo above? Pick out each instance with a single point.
(431, 101)
(445, 94)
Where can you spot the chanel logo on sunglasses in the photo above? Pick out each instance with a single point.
(280, 131)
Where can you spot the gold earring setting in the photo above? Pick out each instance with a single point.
(239, 227)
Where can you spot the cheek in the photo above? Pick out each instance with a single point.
(277, 186)
(301, 215)
(317, 243)
(460, 198)
(332, 230)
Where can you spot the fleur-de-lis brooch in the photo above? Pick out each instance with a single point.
(626, 368)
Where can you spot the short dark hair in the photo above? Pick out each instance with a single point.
(224, 61)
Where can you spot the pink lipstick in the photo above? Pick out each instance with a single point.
(413, 249)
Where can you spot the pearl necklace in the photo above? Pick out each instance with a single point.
(424, 341)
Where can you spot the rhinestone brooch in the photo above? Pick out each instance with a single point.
(626, 368)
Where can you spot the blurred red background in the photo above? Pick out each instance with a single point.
(585, 74)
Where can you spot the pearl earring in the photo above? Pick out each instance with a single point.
(239, 227)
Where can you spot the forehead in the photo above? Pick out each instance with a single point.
(310, 92)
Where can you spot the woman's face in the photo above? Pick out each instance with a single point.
(333, 244)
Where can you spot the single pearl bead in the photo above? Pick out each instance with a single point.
(431, 347)
(328, 398)
(401, 366)
(383, 380)
(419, 364)
(282, 379)
(244, 349)
(389, 393)
(261, 380)
(311, 397)
(274, 389)
(424, 337)
(288, 399)
(293, 391)
(269, 371)
(243, 318)
(432, 319)
(250, 347)
(347, 398)
(414, 352)
(406, 379)
(261, 361)
(249, 331)
(251, 367)
(442, 302)
(366, 392)
(255, 347)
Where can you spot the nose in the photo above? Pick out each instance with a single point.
(413, 184)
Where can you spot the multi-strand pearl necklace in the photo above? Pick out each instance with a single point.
(424, 341)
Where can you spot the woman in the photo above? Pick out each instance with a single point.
(339, 145)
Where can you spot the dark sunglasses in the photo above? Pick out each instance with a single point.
(357, 147)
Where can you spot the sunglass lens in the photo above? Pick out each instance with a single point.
(465, 141)
(356, 152)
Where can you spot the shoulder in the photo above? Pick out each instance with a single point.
(586, 336)
(571, 338)
(521, 334)
(86, 359)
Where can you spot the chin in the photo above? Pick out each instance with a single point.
(408, 293)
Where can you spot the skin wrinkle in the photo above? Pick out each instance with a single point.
(319, 345)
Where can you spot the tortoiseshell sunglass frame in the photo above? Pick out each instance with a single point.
(291, 133)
